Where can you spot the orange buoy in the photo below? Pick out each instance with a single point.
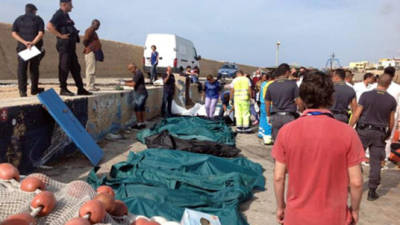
(31, 184)
(46, 200)
(94, 209)
(19, 219)
(78, 221)
(8, 172)
(120, 209)
(107, 200)
(106, 189)
(140, 221)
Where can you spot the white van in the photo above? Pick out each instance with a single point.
(173, 51)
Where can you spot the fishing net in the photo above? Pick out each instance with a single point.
(70, 197)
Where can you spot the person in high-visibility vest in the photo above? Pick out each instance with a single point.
(241, 95)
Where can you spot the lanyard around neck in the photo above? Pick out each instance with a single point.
(319, 114)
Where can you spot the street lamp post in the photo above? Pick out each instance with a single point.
(277, 53)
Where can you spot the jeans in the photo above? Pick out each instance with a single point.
(153, 74)
(166, 106)
(278, 121)
(211, 103)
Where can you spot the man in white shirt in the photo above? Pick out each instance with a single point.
(366, 85)
(349, 78)
(394, 90)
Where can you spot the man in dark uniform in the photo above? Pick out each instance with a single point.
(28, 30)
(343, 97)
(283, 95)
(67, 35)
(375, 116)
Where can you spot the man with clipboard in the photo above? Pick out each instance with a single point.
(28, 30)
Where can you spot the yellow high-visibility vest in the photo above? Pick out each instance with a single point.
(241, 87)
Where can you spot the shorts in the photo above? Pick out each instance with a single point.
(139, 102)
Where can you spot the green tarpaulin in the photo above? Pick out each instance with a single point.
(159, 182)
(192, 128)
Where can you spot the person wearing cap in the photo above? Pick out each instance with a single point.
(63, 27)
(343, 97)
(28, 30)
(283, 96)
(322, 158)
(93, 53)
(375, 121)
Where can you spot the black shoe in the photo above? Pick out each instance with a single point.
(83, 91)
(37, 91)
(23, 94)
(66, 92)
(136, 126)
(372, 195)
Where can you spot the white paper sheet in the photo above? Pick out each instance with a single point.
(28, 54)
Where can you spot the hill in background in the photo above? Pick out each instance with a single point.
(117, 56)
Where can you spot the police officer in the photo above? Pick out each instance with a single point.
(28, 30)
(283, 95)
(343, 97)
(67, 35)
(375, 116)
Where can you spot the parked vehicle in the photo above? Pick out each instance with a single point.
(228, 70)
(174, 51)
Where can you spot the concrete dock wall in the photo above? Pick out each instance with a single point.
(29, 137)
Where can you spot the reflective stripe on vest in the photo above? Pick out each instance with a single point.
(241, 88)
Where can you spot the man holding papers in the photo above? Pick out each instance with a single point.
(28, 30)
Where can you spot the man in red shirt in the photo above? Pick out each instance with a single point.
(322, 157)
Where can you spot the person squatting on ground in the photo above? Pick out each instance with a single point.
(154, 63)
(375, 120)
(322, 158)
(225, 99)
(140, 95)
(211, 94)
(67, 35)
(241, 94)
(343, 97)
(93, 53)
(282, 95)
(28, 30)
(168, 93)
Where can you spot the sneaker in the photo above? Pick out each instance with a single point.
(37, 91)
(23, 94)
(372, 195)
(268, 140)
(94, 89)
(66, 92)
(247, 130)
(83, 91)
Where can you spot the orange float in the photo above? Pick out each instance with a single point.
(141, 221)
(19, 219)
(78, 221)
(8, 172)
(107, 200)
(106, 189)
(31, 184)
(46, 201)
(94, 209)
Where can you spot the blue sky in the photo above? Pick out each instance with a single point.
(245, 31)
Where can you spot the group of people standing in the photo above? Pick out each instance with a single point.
(29, 30)
(322, 128)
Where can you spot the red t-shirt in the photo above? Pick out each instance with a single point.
(317, 151)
